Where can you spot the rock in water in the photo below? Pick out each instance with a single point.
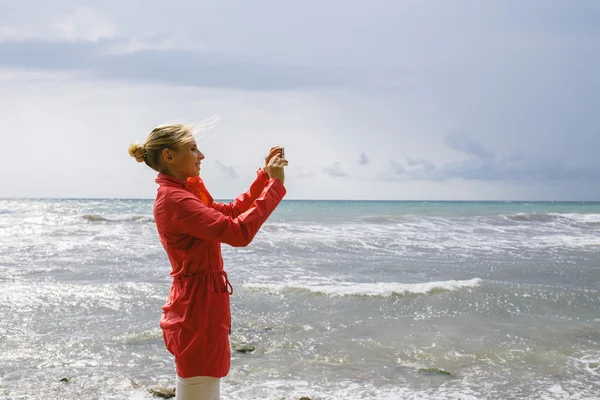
(435, 371)
(160, 391)
(305, 398)
(134, 383)
(64, 380)
(243, 348)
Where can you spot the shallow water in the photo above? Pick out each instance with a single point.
(345, 300)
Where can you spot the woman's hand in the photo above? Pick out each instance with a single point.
(274, 168)
(272, 153)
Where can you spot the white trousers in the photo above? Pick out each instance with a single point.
(198, 388)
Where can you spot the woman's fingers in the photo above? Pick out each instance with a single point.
(276, 160)
(273, 161)
(272, 153)
(275, 168)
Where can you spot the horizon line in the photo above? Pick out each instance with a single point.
(324, 199)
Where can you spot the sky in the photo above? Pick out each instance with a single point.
(379, 100)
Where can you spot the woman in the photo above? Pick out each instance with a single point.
(196, 318)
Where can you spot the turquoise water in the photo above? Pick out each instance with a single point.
(341, 299)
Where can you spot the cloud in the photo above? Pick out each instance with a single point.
(483, 165)
(227, 170)
(303, 174)
(420, 163)
(397, 168)
(84, 24)
(363, 159)
(403, 80)
(465, 144)
(335, 170)
(104, 58)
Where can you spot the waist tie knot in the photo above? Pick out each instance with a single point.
(228, 286)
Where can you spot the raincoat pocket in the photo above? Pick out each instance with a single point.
(220, 316)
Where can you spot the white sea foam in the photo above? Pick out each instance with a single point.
(278, 389)
(377, 289)
(566, 218)
(566, 241)
(589, 362)
(585, 218)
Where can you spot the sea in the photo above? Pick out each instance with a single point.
(338, 299)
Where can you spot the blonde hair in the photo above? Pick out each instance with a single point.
(162, 137)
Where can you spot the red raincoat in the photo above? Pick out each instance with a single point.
(196, 318)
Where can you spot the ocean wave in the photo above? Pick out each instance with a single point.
(385, 219)
(473, 236)
(530, 217)
(555, 217)
(589, 362)
(585, 218)
(377, 289)
(120, 218)
(566, 241)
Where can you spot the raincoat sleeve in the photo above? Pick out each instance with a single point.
(194, 218)
(244, 201)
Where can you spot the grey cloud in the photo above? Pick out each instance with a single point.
(417, 168)
(363, 159)
(335, 170)
(228, 170)
(465, 144)
(485, 166)
(403, 40)
(421, 163)
(397, 168)
(177, 67)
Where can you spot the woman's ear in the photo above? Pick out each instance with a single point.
(167, 156)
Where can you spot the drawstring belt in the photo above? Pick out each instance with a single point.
(228, 286)
(222, 274)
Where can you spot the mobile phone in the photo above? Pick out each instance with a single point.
(283, 152)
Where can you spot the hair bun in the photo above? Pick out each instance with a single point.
(137, 151)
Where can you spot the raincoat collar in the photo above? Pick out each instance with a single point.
(194, 185)
(167, 180)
